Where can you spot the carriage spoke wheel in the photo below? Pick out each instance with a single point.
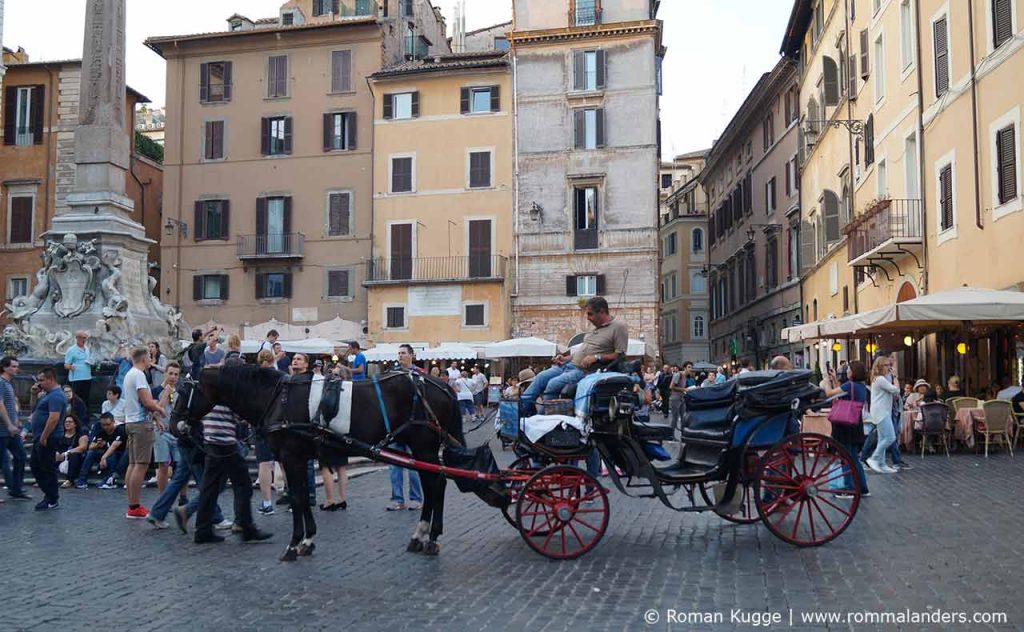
(800, 491)
(746, 512)
(562, 512)
(515, 487)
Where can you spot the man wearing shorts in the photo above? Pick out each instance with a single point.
(141, 429)
(165, 450)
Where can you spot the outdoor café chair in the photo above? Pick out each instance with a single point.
(934, 416)
(998, 422)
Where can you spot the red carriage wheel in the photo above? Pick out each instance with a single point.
(800, 491)
(515, 486)
(562, 512)
(746, 513)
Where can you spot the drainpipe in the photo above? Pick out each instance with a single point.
(181, 181)
(373, 167)
(515, 161)
(50, 142)
(852, 139)
(974, 116)
(922, 192)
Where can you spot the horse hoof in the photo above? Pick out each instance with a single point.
(415, 546)
(431, 548)
(289, 555)
(307, 550)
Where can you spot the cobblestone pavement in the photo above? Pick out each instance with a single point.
(942, 536)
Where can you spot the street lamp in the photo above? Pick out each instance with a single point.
(536, 212)
(172, 224)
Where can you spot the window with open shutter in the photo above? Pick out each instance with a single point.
(10, 114)
(807, 249)
(23, 115)
(941, 43)
(1006, 156)
(946, 197)
(341, 71)
(339, 214)
(831, 81)
(869, 141)
(21, 220)
(830, 206)
(865, 55)
(1002, 22)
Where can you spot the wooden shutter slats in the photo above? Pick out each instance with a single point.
(38, 106)
(464, 95)
(1007, 167)
(579, 64)
(1002, 22)
(495, 98)
(941, 42)
(227, 80)
(204, 82)
(350, 128)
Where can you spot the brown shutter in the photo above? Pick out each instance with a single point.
(570, 286)
(21, 220)
(389, 106)
(599, 117)
(10, 114)
(941, 44)
(1002, 22)
(495, 98)
(865, 58)
(464, 101)
(197, 287)
(225, 219)
(36, 113)
(579, 72)
(580, 129)
(853, 78)
(287, 223)
(261, 285)
(261, 216)
(341, 71)
(218, 128)
(328, 132)
(869, 141)
(415, 104)
(602, 285)
(204, 82)
(227, 80)
(287, 134)
(946, 196)
(350, 128)
(282, 76)
(602, 69)
(224, 286)
(1007, 167)
(831, 81)
(287, 293)
(199, 229)
(208, 141)
(265, 136)
(339, 214)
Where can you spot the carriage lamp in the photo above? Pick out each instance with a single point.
(908, 341)
(837, 347)
(961, 348)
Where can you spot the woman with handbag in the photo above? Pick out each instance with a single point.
(847, 420)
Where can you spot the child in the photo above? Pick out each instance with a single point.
(114, 404)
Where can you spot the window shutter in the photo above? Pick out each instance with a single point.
(224, 285)
(602, 69)
(204, 82)
(261, 216)
(1007, 168)
(21, 220)
(328, 132)
(807, 258)
(271, 76)
(831, 81)
(288, 135)
(199, 225)
(265, 136)
(225, 219)
(941, 43)
(197, 287)
(38, 101)
(464, 101)
(579, 74)
(389, 106)
(208, 140)
(602, 285)
(580, 129)
(227, 81)
(789, 181)
(853, 78)
(865, 59)
(946, 196)
(570, 286)
(599, 116)
(339, 214)
(341, 71)
(282, 76)
(261, 285)
(1002, 22)
(10, 115)
(831, 211)
(350, 128)
(869, 141)
(287, 285)
(287, 223)
(415, 104)
(495, 98)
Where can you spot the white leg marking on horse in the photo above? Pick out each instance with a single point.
(306, 541)
(422, 531)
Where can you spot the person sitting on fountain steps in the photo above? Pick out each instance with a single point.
(602, 346)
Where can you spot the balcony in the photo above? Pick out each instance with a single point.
(427, 270)
(585, 239)
(358, 8)
(271, 247)
(886, 232)
(585, 16)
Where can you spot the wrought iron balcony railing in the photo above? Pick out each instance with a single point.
(887, 229)
(271, 246)
(381, 270)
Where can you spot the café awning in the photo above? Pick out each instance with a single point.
(530, 347)
(448, 351)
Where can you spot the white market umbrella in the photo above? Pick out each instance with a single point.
(448, 351)
(521, 348)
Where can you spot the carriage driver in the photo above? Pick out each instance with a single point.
(605, 344)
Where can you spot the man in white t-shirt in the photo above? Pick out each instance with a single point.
(479, 390)
(463, 386)
(139, 426)
(454, 374)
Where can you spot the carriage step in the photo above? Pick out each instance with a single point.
(680, 470)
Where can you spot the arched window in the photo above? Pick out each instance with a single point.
(698, 327)
(698, 284)
(697, 239)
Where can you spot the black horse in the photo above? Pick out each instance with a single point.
(279, 408)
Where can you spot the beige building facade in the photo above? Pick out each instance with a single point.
(269, 165)
(442, 200)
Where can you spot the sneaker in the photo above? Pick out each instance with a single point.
(844, 495)
(223, 525)
(903, 465)
(45, 504)
(81, 486)
(66, 485)
(876, 466)
(159, 524)
(395, 507)
(266, 509)
(181, 518)
(413, 506)
(865, 494)
(237, 528)
(151, 482)
(889, 470)
(108, 484)
(139, 513)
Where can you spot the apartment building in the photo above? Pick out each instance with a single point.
(587, 92)
(753, 191)
(683, 225)
(39, 111)
(269, 128)
(442, 200)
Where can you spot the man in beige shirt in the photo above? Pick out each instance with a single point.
(605, 344)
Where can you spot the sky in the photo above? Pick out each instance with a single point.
(717, 49)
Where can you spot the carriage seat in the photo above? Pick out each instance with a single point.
(651, 431)
(710, 412)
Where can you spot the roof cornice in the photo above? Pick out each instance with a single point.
(569, 34)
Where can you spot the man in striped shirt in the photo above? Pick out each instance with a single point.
(224, 460)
